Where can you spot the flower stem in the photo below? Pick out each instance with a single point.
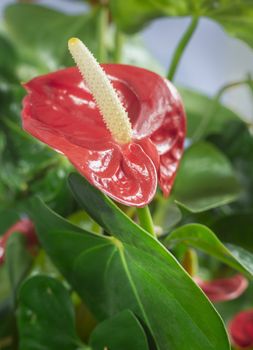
(181, 47)
(232, 85)
(203, 125)
(145, 219)
(118, 41)
(102, 30)
(190, 262)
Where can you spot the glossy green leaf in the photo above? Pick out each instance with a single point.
(6, 305)
(51, 186)
(122, 331)
(8, 218)
(8, 60)
(42, 33)
(82, 219)
(10, 55)
(201, 237)
(47, 48)
(132, 15)
(129, 271)
(205, 179)
(30, 167)
(204, 115)
(139, 264)
(5, 287)
(7, 326)
(237, 144)
(21, 158)
(167, 214)
(18, 260)
(46, 321)
(236, 229)
(135, 53)
(12, 272)
(46, 316)
(236, 17)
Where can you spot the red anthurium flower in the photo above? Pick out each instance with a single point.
(122, 138)
(24, 227)
(223, 289)
(241, 330)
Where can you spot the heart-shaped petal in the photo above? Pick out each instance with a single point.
(60, 111)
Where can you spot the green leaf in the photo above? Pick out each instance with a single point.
(133, 15)
(135, 53)
(205, 179)
(8, 60)
(5, 288)
(82, 219)
(47, 48)
(167, 214)
(204, 115)
(22, 157)
(46, 316)
(236, 229)
(17, 260)
(130, 270)
(12, 272)
(201, 237)
(8, 218)
(237, 143)
(122, 331)
(46, 321)
(235, 17)
(6, 304)
(42, 33)
(29, 167)
(7, 327)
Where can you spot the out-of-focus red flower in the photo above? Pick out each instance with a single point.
(60, 111)
(223, 289)
(241, 330)
(24, 227)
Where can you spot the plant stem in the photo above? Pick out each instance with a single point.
(102, 30)
(118, 41)
(162, 208)
(232, 85)
(190, 262)
(145, 219)
(16, 129)
(205, 121)
(130, 212)
(181, 47)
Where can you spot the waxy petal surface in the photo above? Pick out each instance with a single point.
(60, 111)
(224, 289)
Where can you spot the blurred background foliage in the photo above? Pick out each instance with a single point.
(214, 185)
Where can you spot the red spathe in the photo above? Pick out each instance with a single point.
(224, 289)
(60, 111)
(241, 330)
(24, 227)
